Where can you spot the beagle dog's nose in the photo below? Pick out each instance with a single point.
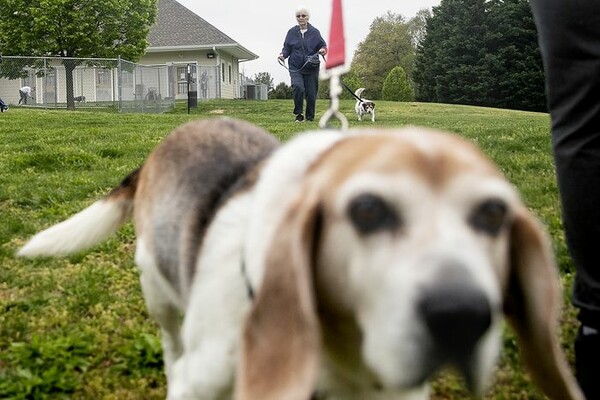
(456, 316)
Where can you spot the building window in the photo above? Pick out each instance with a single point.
(229, 77)
(126, 78)
(103, 77)
(223, 71)
(182, 80)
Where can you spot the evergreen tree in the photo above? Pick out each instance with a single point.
(396, 86)
(481, 53)
(281, 91)
(513, 58)
(449, 67)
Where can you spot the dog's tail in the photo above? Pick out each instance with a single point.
(88, 227)
(359, 91)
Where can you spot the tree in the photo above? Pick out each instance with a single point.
(482, 53)
(448, 67)
(264, 78)
(387, 45)
(513, 58)
(76, 28)
(396, 86)
(417, 26)
(281, 91)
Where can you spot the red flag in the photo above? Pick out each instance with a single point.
(336, 50)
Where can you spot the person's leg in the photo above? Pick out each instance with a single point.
(569, 37)
(311, 83)
(21, 95)
(298, 91)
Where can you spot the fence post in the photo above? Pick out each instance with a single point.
(158, 102)
(55, 87)
(119, 83)
(45, 82)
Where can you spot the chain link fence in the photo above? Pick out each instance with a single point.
(85, 83)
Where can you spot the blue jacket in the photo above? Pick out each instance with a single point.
(298, 48)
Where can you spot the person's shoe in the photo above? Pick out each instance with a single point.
(310, 119)
(299, 118)
(587, 359)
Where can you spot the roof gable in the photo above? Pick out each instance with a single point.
(177, 26)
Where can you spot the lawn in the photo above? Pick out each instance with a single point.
(77, 328)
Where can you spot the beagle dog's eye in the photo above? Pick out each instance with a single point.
(370, 213)
(489, 216)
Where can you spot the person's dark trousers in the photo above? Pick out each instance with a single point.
(569, 37)
(305, 86)
(23, 98)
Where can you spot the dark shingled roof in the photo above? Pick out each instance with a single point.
(178, 27)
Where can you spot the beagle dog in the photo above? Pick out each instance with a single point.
(349, 265)
(363, 106)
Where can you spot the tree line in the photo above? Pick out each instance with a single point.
(475, 52)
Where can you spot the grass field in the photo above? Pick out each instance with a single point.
(76, 328)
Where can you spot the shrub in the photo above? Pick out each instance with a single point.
(396, 86)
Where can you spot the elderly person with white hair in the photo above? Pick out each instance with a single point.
(302, 45)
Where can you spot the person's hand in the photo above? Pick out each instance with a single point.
(280, 58)
(322, 52)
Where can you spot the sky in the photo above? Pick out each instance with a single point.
(260, 26)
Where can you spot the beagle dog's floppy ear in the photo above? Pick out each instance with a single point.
(532, 305)
(281, 340)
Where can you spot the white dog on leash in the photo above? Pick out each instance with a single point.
(363, 106)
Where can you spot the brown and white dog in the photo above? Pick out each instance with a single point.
(363, 106)
(351, 265)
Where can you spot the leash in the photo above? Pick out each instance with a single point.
(335, 67)
(351, 92)
(282, 63)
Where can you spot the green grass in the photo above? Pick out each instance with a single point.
(77, 328)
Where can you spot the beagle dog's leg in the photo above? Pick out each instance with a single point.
(205, 373)
(219, 300)
(211, 332)
(159, 306)
(373, 115)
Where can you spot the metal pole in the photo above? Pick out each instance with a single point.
(188, 87)
(120, 83)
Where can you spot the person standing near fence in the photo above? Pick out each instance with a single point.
(24, 93)
(303, 44)
(203, 84)
(569, 37)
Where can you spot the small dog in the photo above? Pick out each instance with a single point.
(352, 265)
(364, 106)
(80, 99)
